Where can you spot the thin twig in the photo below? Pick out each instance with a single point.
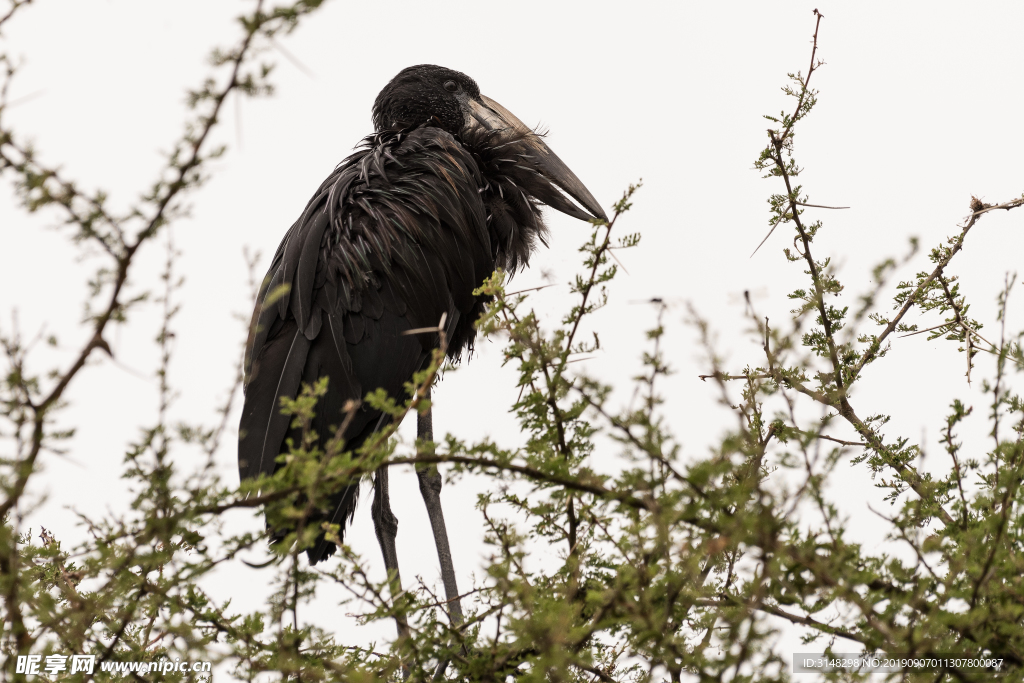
(820, 206)
(980, 209)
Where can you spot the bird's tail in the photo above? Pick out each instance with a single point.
(343, 506)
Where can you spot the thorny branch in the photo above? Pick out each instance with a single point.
(36, 181)
(846, 362)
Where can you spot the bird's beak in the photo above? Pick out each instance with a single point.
(492, 116)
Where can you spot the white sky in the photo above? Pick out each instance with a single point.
(920, 107)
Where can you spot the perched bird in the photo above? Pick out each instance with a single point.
(446, 190)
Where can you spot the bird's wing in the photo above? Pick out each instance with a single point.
(395, 238)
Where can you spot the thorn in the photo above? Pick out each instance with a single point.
(101, 343)
(421, 330)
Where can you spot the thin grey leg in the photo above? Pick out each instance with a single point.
(385, 524)
(430, 487)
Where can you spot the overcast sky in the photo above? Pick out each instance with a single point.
(920, 108)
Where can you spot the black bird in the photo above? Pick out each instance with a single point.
(446, 190)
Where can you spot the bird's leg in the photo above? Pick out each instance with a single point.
(385, 524)
(430, 488)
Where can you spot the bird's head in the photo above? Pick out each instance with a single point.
(453, 100)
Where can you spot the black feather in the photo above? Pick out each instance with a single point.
(399, 234)
(276, 372)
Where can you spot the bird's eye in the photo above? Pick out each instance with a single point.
(451, 86)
